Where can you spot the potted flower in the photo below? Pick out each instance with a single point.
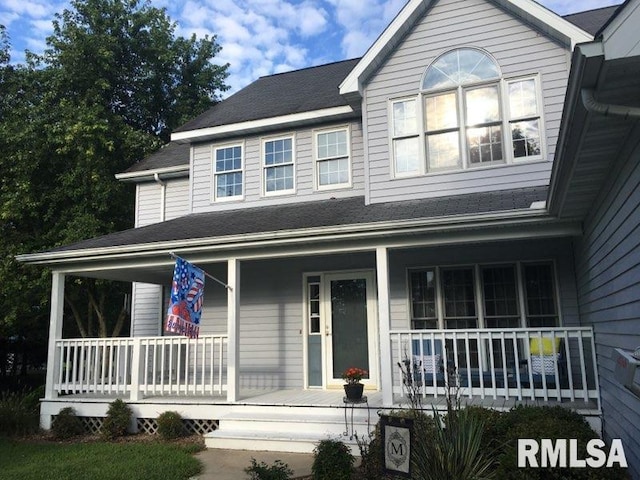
(353, 388)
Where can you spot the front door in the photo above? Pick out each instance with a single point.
(350, 326)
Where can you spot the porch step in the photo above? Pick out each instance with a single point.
(288, 429)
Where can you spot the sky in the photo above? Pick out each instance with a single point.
(258, 37)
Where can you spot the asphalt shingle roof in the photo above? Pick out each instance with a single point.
(298, 91)
(591, 21)
(170, 155)
(316, 214)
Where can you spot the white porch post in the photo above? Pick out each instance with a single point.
(384, 317)
(233, 328)
(55, 332)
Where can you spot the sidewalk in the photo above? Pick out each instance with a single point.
(222, 464)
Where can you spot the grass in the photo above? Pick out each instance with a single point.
(30, 460)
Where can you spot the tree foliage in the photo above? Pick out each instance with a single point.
(112, 84)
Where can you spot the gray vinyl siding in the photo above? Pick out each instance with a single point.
(519, 50)
(176, 198)
(147, 204)
(271, 315)
(608, 278)
(557, 251)
(146, 310)
(252, 171)
(147, 298)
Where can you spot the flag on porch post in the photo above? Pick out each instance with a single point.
(185, 309)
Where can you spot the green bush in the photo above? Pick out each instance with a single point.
(19, 413)
(546, 422)
(66, 424)
(170, 425)
(116, 423)
(262, 471)
(333, 461)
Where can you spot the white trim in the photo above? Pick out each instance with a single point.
(372, 326)
(149, 174)
(316, 161)
(255, 125)
(524, 9)
(214, 173)
(264, 166)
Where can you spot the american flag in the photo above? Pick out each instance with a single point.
(185, 309)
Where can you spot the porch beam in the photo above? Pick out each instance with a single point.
(233, 329)
(384, 319)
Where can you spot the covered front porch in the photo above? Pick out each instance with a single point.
(489, 367)
(488, 314)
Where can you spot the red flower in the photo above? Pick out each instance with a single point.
(354, 374)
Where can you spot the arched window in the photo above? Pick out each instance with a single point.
(460, 118)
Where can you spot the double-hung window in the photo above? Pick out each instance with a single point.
(279, 171)
(227, 178)
(466, 116)
(333, 168)
(406, 141)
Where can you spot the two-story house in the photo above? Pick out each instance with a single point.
(439, 200)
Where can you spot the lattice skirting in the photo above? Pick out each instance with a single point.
(92, 425)
(192, 426)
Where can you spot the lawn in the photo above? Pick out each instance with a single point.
(44, 460)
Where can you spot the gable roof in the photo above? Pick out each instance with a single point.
(274, 98)
(531, 12)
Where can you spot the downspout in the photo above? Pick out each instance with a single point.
(163, 193)
(592, 105)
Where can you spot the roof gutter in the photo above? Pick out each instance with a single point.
(303, 236)
(606, 109)
(167, 172)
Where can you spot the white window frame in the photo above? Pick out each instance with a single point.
(215, 173)
(419, 134)
(318, 161)
(464, 163)
(509, 118)
(266, 167)
(479, 290)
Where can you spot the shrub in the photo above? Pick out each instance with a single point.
(262, 471)
(66, 424)
(19, 413)
(170, 425)
(546, 422)
(116, 423)
(333, 461)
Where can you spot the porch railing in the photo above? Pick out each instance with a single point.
(550, 364)
(152, 366)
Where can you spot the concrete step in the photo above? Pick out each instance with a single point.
(288, 430)
(274, 441)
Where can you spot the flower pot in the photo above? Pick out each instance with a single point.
(354, 391)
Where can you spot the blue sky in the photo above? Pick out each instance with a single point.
(258, 37)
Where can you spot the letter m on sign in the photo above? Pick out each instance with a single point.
(397, 434)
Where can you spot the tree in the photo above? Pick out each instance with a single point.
(112, 84)
(138, 70)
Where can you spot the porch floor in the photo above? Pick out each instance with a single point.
(334, 399)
